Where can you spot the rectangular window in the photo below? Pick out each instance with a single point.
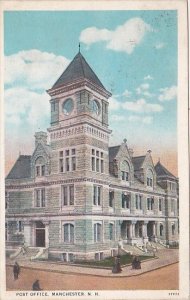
(40, 198)
(125, 201)
(68, 231)
(97, 161)
(43, 170)
(67, 164)
(140, 202)
(97, 195)
(172, 205)
(111, 198)
(6, 199)
(97, 232)
(61, 161)
(160, 204)
(150, 203)
(111, 233)
(37, 170)
(137, 201)
(68, 195)
(19, 226)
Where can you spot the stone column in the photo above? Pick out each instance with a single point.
(133, 228)
(27, 233)
(145, 237)
(46, 223)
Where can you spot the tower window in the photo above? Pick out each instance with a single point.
(67, 162)
(97, 161)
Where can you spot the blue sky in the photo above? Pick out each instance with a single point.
(134, 54)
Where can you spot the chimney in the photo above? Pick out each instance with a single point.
(40, 136)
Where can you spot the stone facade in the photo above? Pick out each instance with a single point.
(78, 197)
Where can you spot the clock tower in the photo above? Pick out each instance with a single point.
(79, 115)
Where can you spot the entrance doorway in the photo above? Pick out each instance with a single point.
(40, 234)
(150, 230)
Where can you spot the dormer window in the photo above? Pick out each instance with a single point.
(125, 171)
(40, 168)
(149, 178)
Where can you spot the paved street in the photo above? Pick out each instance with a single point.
(163, 278)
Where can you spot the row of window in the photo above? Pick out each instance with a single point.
(67, 197)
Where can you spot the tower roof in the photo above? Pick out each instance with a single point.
(78, 69)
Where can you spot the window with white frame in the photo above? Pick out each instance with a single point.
(67, 160)
(138, 201)
(20, 227)
(111, 231)
(67, 195)
(160, 204)
(97, 195)
(172, 186)
(97, 161)
(97, 232)
(150, 203)
(161, 229)
(125, 171)
(173, 229)
(111, 198)
(126, 200)
(149, 178)
(172, 205)
(68, 233)
(40, 166)
(39, 198)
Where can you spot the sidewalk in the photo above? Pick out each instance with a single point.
(165, 257)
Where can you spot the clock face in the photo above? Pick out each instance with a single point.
(95, 107)
(67, 106)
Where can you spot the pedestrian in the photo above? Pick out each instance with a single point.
(36, 286)
(16, 270)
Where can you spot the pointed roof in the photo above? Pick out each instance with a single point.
(138, 161)
(21, 168)
(113, 152)
(162, 171)
(78, 69)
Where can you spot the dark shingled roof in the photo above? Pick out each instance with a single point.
(138, 161)
(78, 69)
(162, 171)
(113, 152)
(21, 168)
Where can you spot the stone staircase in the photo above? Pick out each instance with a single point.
(28, 253)
(133, 250)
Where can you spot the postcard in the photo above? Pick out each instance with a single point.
(94, 150)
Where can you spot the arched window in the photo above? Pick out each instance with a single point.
(161, 229)
(125, 171)
(68, 233)
(40, 169)
(149, 178)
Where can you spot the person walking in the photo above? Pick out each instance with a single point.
(16, 270)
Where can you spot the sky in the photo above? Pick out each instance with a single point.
(133, 53)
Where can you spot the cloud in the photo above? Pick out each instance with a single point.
(124, 38)
(127, 93)
(148, 77)
(168, 93)
(117, 118)
(26, 108)
(144, 120)
(160, 46)
(34, 68)
(143, 90)
(114, 104)
(141, 106)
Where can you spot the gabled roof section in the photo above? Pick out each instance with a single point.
(21, 168)
(162, 171)
(78, 69)
(113, 152)
(138, 162)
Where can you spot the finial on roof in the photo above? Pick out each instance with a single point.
(79, 47)
(149, 151)
(125, 141)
